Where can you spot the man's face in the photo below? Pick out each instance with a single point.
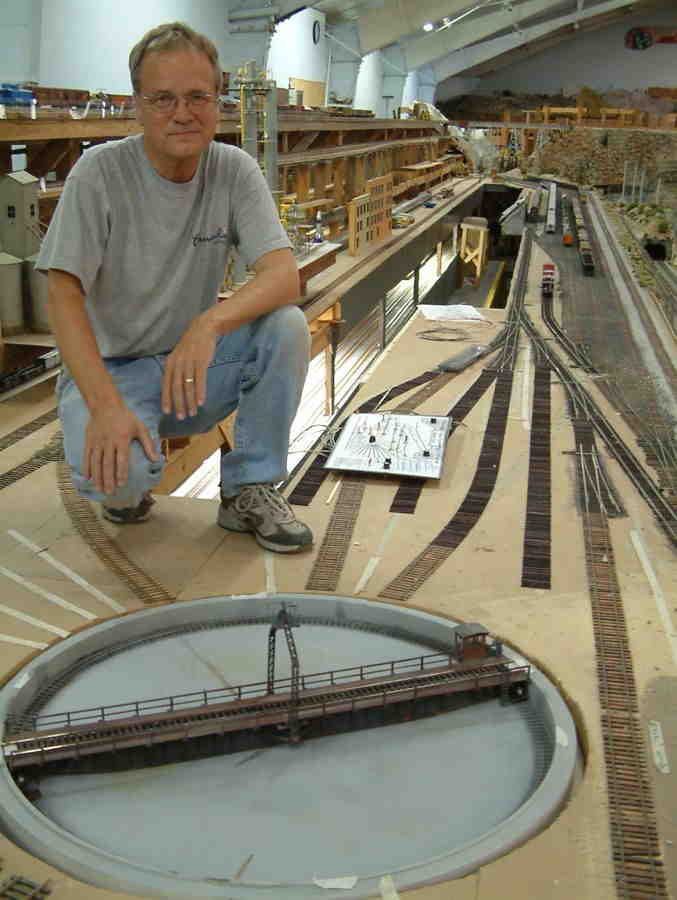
(174, 140)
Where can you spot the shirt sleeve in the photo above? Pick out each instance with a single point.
(256, 223)
(78, 233)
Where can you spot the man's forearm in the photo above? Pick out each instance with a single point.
(274, 285)
(76, 342)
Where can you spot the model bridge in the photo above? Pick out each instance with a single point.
(105, 729)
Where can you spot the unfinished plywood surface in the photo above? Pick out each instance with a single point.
(187, 552)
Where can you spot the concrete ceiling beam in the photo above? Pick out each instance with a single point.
(398, 18)
(434, 45)
(467, 59)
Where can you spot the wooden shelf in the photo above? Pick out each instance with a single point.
(50, 373)
(30, 339)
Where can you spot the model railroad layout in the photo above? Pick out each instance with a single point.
(332, 552)
(576, 351)
(636, 848)
(636, 853)
(274, 709)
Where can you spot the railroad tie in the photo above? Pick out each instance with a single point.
(331, 556)
(89, 526)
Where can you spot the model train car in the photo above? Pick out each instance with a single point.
(584, 246)
(533, 204)
(551, 217)
(567, 225)
(587, 262)
(548, 280)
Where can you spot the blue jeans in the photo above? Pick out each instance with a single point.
(259, 369)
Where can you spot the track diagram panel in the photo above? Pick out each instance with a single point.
(394, 444)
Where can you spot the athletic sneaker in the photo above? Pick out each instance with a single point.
(262, 509)
(129, 515)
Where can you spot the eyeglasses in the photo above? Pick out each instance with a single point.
(166, 102)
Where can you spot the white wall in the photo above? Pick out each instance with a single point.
(369, 86)
(292, 52)
(19, 40)
(598, 60)
(86, 44)
(394, 78)
(410, 91)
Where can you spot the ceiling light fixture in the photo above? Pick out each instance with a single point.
(428, 26)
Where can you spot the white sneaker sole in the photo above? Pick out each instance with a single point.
(228, 525)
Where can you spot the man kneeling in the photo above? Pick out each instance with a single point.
(135, 255)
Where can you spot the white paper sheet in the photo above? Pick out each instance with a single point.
(454, 313)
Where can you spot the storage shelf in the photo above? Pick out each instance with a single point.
(30, 339)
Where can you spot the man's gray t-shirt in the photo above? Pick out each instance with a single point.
(150, 253)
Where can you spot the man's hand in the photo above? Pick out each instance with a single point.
(108, 436)
(184, 387)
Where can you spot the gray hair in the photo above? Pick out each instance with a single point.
(168, 37)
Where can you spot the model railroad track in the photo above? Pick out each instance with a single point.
(40, 748)
(51, 452)
(28, 429)
(50, 688)
(536, 555)
(597, 480)
(577, 353)
(666, 288)
(331, 555)
(142, 585)
(666, 362)
(664, 277)
(664, 512)
(416, 573)
(655, 437)
(636, 850)
(16, 887)
(584, 407)
(333, 551)
(409, 491)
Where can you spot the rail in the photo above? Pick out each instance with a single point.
(39, 748)
(204, 698)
